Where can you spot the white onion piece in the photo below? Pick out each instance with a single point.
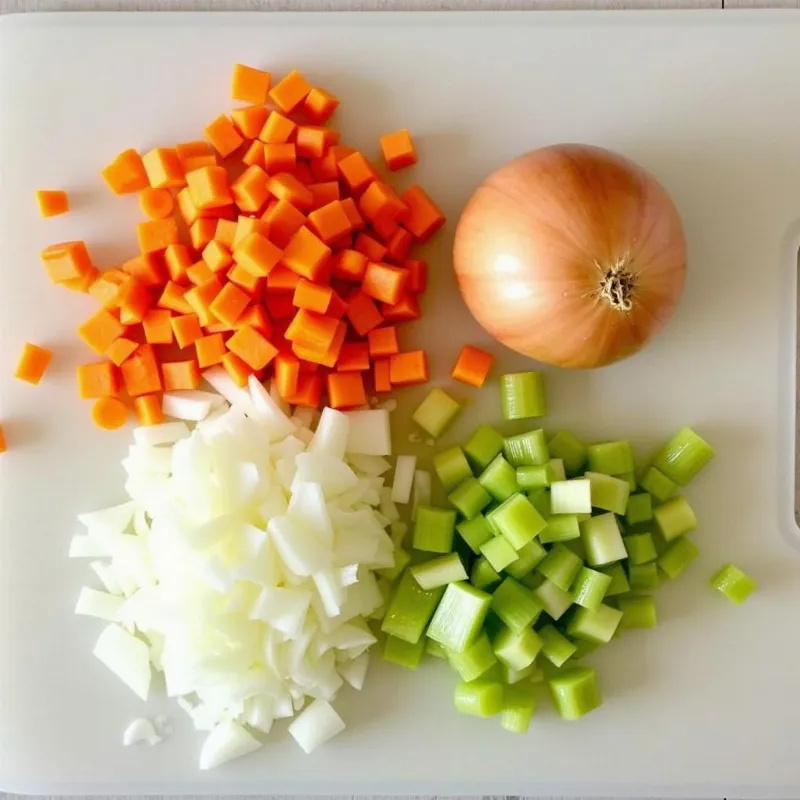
(369, 433)
(404, 469)
(355, 671)
(318, 723)
(83, 546)
(369, 465)
(105, 573)
(226, 742)
(113, 520)
(101, 605)
(127, 657)
(165, 433)
(187, 405)
(331, 434)
(140, 731)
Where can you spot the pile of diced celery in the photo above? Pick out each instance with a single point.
(548, 547)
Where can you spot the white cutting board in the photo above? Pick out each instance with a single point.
(706, 704)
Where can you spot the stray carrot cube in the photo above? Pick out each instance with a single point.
(385, 228)
(349, 265)
(100, 379)
(384, 282)
(101, 330)
(312, 296)
(370, 247)
(66, 261)
(424, 216)
(290, 92)
(346, 389)
(357, 172)
(250, 120)
(383, 342)
(330, 221)
(229, 303)
(306, 254)
(381, 376)
(244, 279)
(156, 234)
(472, 365)
(223, 135)
(311, 141)
(156, 203)
(249, 190)
(363, 313)
(33, 363)
(354, 356)
(398, 149)
(279, 158)
(254, 156)
(287, 187)
(179, 375)
(209, 188)
(126, 173)
(174, 298)
(417, 275)
(148, 409)
(250, 85)
(202, 232)
(404, 310)
(319, 106)
(283, 220)
(163, 168)
(187, 329)
(399, 245)
(149, 269)
(410, 368)
(52, 202)
(277, 129)
(210, 350)
(237, 369)
(254, 349)
(194, 155)
(217, 256)
(157, 326)
(257, 254)
(120, 350)
(140, 372)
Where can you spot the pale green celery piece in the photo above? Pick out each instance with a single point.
(469, 498)
(410, 609)
(528, 556)
(571, 497)
(641, 548)
(643, 577)
(459, 616)
(590, 587)
(554, 599)
(439, 571)
(517, 650)
(404, 654)
(479, 698)
(526, 449)
(475, 660)
(517, 520)
(540, 499)
(434, 648)
(519, 703)
(499, 479)
(535, 477)
(556, 648)
(638, 611)
(575, 692)
(499, 553)
(610, 458)
(482, 447)
(674, 518)
(619, 580)
(560, 566)
(401, 559)
(512, 676)
(484, 575)
(561, 528)
(434, 529)
(436, 412)
(639, 509)
(522, 395)
(452, 467)
(683, 456)
(678, 556)
(657, 484)
(515, 605)
(557, 467)
(608, 493)
(475, 532)
(734, 583)
(602, 539)
(596, 625)
(570, 449)
(629, 478)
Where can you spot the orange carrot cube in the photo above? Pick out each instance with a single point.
(140, 373)
(120, 350)
(157, 326)
(101, 330)
(156, 234)
(66, 260)
(252, 347)
(100, 379)
(306, 254)
(290, 92)
(250, 85)
(229, 304)
(398, 149)
(319, 106)
(383, 342)
(187, 329)
(33, 363)
(277, 129)
(424, 216)
(180, 375)
(472, 365)
(163, 168)
(174, 298)
(126, 173)
(346, 390)
(52, 202)
(257, 254)
(357, 172)
(250, 120)
(148, 409)
(249, 190)
(410, 368)
(223, 135)
(330, 221)
(210, 350)
(209, 188)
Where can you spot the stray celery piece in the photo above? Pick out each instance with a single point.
(639, 508)
(556, 648)
(570, 449)
(436, 412)
(499, 553)
(735, 584)
(517, 520)
(434, 648)
(515, 604)
(629, 478)
(439, 571)
(619, 580)
(526, 449)
(402, 653)
(518, 707)
(484, 575)
(475, 660)
(641, 548)
(475, 532)
(479, 698)
(459, 617)
(561, 528)
(638, 611)
(590, 587)
(643, 577)
(554, 599)
(499, 479)
(535, 477)
(522, 395)
(683, 456)
(678, 556)
(597, 625)
(483, 446)
(469, 498)
(401, 559)
(608, 493)
(571, 497)
(434, 529)
(517, 650)
(452, 467)
(674, 518)
(512, 676)
(528, 557)
(540, 499)
(602, 539)
(657, 484)
(557, 469)
(575, 692)
(410, 609)
(610, 458)
(560, 566)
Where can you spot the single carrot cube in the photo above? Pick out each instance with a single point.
(245, 280)
(257, 254)
(120, 350)
(229, 303)
(350, 265)
(381, 378)
(282, 279)
(384, 282)
(380, 204)
(209, 187)
(311, 141)
(134, 300)
(249, 190)
(250, 85)
(149, 269)
(239, 371)
(249, 120)
(210, 350)
(126, 173)
(323, 357)
(187, 329)
(163, 168)
(156, 203)
(140, 372)
(363, 313)
(346, 390)
(174, 298)
(109, 413)
(399, 245)
(356, 172)
(100, 379)
(353, 214)
(354, 356)
(319, 106)
(202, 232)
(33, 363)
(424, 216)
(312, 330)
(417, 275)
(194, 155)
(329, 222)
(277, 129)
(199, 273)
(216, 256)
(254, 155)
(280, 158)
(306, 254)
(383, 342)
(472, 365)
(223, 135)
(285, 186)
(290, 92)
(66, 261)
(148, 409)
(157, 234)
(52, 202)
(254, 349)
(287, 373)
(370, 247)
(157, 326)
(101, 330)
(404, 310)
(309, 391)
(312, 296)
(398, 149)
(284, 220)
(409, 368)
(225, 232)
(180, 375)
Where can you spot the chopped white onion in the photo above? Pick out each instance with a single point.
(140, 731)
(226, 742)
(369, 433)
(369, 465)
(127, 657)
(355, 671)
(101, 605)
(165, 433)
(404, 468)
(318, 723)
(187, 405)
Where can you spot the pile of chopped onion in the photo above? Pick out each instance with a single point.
(242, 566)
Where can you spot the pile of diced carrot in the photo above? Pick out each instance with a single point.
(271, 248)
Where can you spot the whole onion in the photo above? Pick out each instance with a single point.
(572, 255)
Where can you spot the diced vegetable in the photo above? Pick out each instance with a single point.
(619, 580)
(528, 556)
(475, 532)
(469, 498)
(404, 470)
(640, 548)
(499, 479)
(610, 458)
(571, 497)
(33, 363)
(439, 571)
(499, 553)
(484, 575)
(403, 653)
(735, 584)
(474, 661)
(602, 539)
(522, 395)
(683, 456)
(639, 508)
(458, 619)
(643, 577)
(594, 625)
(680, 553)
(590, 587)
(575, 692)
(560, 528)
(526, 449)
(518, 708)
(517, 520)
(657, 484)
(556, 648)
(608, 493)
(674, 518)
(479, 698)
(560, 566)
(472, 366)
(638, 611)
(436, 412)
(515, 605)
(452, 467)
(434, 529)
(410, 609)
(555, 600)
(517, 650)
(483, 446)
(571, 450)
